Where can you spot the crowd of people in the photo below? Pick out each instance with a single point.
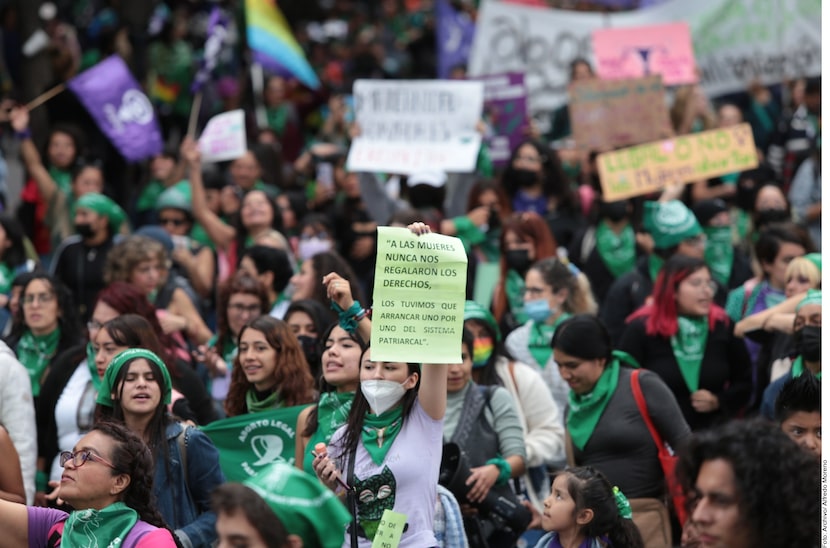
(143, 301)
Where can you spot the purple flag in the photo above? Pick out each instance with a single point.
(454, 34)
(119, 107)
(217, 33)
(505, 114)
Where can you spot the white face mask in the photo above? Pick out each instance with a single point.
(382, 395)
(312, 246)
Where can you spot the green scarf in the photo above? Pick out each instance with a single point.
(719, 252)
(272, 401)
(6, 278)
(277, 118)
(93, 369)
(585, 410)
(514, 288)
(380, 431)
(655, 263)
(332, 413)
(540, 337)
(617, 251)
(106, 527)
(798, 368)
(689, 345)
(34, 352)
(63, 180)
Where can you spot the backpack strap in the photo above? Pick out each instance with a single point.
(749, 287)
(641, 405)
(181, 441)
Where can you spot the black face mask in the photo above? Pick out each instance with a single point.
(311, 349)
(518, 259)
(808, 342)
(525, 178)
(767, 216)
(613, 211)
(84, 230)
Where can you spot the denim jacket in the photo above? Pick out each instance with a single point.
(192, 520)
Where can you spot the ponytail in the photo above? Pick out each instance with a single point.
(624, 534)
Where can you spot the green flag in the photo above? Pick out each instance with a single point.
(250, 442)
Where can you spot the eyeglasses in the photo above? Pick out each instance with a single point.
(174, 222)
(241, 308)
(711, 285)
(79, 458)
(93, 325)
(42, 298)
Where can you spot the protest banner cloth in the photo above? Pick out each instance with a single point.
(608, 114)
(505, 115)
(648, 168)
(224, 137)
(634, 52)
(735, 42)
(415, 125)
(454, 35)
(418, 301)
(119, 107)
(250, 442)
(217, 34)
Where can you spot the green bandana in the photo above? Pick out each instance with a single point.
(689, 345)
(514, 288)
(813, 297)
(277, 118)
(119, 361)
(63, 179)
(655, 263)
(272, 401)
(540, 337)
(6, 278)
(34, 352)
(719, 252)
(474, 311)
(178, 196)
(798, 368)
(106, 527)
(669, 223)
(303, 504)
(332, 413)
(93, 369)
(617, 251)
(380, 431)
(105, 207)
(585, 410)
(149, 196)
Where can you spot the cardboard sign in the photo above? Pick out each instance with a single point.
(224, 137)
(414, 125)
(505, 115)
(418, 301)
(634, 52)
(648, 168)
(608, 114)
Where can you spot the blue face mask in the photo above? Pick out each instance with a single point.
(538, 310)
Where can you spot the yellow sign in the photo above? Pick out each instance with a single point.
(647, 168)
(390, 530)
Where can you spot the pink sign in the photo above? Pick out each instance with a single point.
(634, 52)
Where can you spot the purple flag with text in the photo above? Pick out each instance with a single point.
(119, 107)
(454, 33)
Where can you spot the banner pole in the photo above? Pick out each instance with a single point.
(45, 96)
(194, 115)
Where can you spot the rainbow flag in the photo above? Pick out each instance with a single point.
(272, 43)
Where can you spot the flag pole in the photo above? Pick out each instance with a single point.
(45, 96)
(194, 115)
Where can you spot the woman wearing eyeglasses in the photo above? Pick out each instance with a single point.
(107, 480)
(688, 341)
(136, 390)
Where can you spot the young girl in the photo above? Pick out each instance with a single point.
(584, 511)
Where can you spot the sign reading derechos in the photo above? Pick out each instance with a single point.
(412, 125)
(650, 167)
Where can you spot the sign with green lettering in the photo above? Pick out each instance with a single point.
(418, 302)
(647, 168)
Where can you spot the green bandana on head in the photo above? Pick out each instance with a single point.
(122, 359)
(814, 258)
(689, 345)
(719, 254)
(105, 207)
(474, 311)
(669, 223)
(178, 196)
(617, 251)
(813, 297)
(379, 431)
(108, 526)
(303, 504)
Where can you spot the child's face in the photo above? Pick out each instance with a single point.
(559, 507)
(805, 429)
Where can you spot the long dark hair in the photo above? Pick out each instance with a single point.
(240, 282)
(311, 423)
(357, 415)
(554, 180)
(583, 336)
(15, 255)
(590, 489)
(331, 261)
(68, 321)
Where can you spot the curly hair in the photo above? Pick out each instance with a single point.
(291, 372)
(777, 483)
(661, 314)
(131, 456)
(240, 282)
(127, 254)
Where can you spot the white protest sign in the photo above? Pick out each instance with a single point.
(224, 137)
(735, 42)
(413, 125)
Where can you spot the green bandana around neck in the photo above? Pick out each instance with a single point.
(93, 369)
(272, 401)
(332, 413)
(689, 345)
(798, 368)
(380, 431)
(514, 288)
(105, 527)
(6, 278)
(719, 253)
(539, 341)
(585, 410)
(617, 251)
(35, 352)
(655, 263)
(62, 178)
